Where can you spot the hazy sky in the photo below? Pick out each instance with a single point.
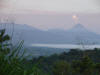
(83, 6)
(46, 14)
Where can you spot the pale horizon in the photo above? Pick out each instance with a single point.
(53, 14)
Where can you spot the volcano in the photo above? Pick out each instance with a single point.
(76, 35)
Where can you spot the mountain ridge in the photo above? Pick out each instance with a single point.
(72, 36)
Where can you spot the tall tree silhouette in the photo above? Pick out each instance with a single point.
(4, 46)
(3, 37)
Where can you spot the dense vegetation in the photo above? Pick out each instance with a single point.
(74, 62)
(12, 59)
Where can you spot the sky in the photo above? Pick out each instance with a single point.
(51, 14)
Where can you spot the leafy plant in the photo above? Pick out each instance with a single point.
(12, 60)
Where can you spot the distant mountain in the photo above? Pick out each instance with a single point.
(76, 35)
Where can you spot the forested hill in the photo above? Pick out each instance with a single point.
(74, 62)
(74, 54)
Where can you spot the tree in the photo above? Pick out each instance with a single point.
(98, 67)
(76, 67)
(84, 67)
(61, 68)
(4, 38)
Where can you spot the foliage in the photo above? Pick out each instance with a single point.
(85, 66)
(75, 62)
(61, 68)
(11, 61)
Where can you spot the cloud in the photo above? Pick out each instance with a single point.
(3, 4)
(59, 5)
(97, 2)
(63, 6)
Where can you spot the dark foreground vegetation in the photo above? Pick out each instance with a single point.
(75, 62)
